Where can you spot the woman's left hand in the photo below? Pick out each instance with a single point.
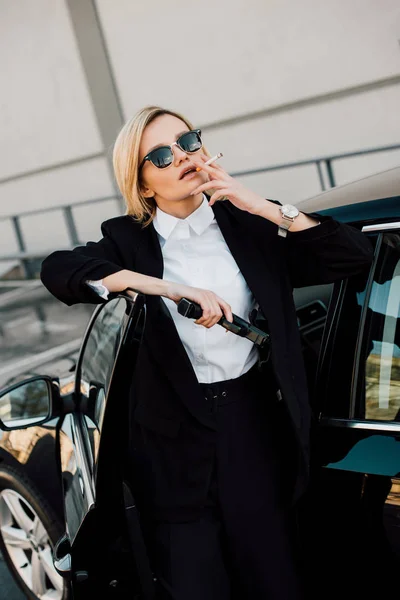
(226, 187)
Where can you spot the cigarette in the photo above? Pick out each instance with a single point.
(211, 160)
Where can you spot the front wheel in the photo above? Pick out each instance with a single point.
(28, 532)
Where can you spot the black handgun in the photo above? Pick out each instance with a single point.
(239, 326)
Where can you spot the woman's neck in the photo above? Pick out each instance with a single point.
(180, 209)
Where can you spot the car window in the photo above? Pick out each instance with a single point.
(311, 309)
(101, 348)
(95, 368)
(337, 366)
(378, 393)
(335, 379)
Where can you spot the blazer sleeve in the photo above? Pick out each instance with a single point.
(65, 272)
(325, 253)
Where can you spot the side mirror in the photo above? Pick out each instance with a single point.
(27, 403)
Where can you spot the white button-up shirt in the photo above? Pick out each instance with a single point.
(196, 254)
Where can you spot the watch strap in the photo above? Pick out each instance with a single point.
(285, 225)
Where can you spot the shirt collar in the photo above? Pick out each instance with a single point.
(199, 220)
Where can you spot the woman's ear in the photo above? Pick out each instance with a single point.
(146, 192)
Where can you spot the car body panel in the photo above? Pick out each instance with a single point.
(34, 449)
(379, 186)
(367, 213)
(78, 488)
(94, 499)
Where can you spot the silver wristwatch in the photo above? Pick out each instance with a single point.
(289, 213)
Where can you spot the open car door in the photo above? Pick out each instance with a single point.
(102, 553)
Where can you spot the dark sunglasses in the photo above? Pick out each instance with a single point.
(163, 157)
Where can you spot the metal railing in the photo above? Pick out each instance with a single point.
(28, 258)
(322, 161)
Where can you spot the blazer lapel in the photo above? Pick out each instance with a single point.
(261, 276)
(162, 337)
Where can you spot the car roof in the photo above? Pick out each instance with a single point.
(383, 185)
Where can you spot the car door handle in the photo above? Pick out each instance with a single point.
(62, 556)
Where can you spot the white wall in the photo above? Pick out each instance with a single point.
(287, 71)
(342, 125)
(214, 60)
(259, 56)
(46, 114)
(65, 185)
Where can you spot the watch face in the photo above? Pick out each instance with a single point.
(289, 211)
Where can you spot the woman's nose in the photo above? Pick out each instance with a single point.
(179, 155)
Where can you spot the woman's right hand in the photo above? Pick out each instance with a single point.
(212, 305)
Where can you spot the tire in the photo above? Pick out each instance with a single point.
(29, 530)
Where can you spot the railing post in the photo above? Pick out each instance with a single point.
(331, 175)
(320, 175)
(21, 245)
(70, 222)
(18, 233)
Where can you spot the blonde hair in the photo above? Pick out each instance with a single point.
(126, 162)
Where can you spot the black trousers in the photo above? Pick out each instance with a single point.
(243, 546)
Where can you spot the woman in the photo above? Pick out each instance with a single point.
(205, 425)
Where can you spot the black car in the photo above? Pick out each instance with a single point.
(68, 520)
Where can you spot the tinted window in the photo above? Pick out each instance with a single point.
(97, 363)
(379, 374)
(338, 358)
(335, 379)
(102, 345)
(311, 309)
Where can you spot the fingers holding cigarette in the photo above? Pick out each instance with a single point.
(218, 176)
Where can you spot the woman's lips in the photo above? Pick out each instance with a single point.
(190, 175)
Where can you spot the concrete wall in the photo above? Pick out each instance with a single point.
(217, 60)
(47, 117)
(269, 82)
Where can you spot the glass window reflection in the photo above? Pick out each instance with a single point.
(382, 343)
(26, 403)
(97, 363)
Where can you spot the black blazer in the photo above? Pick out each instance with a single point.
(173, 437)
